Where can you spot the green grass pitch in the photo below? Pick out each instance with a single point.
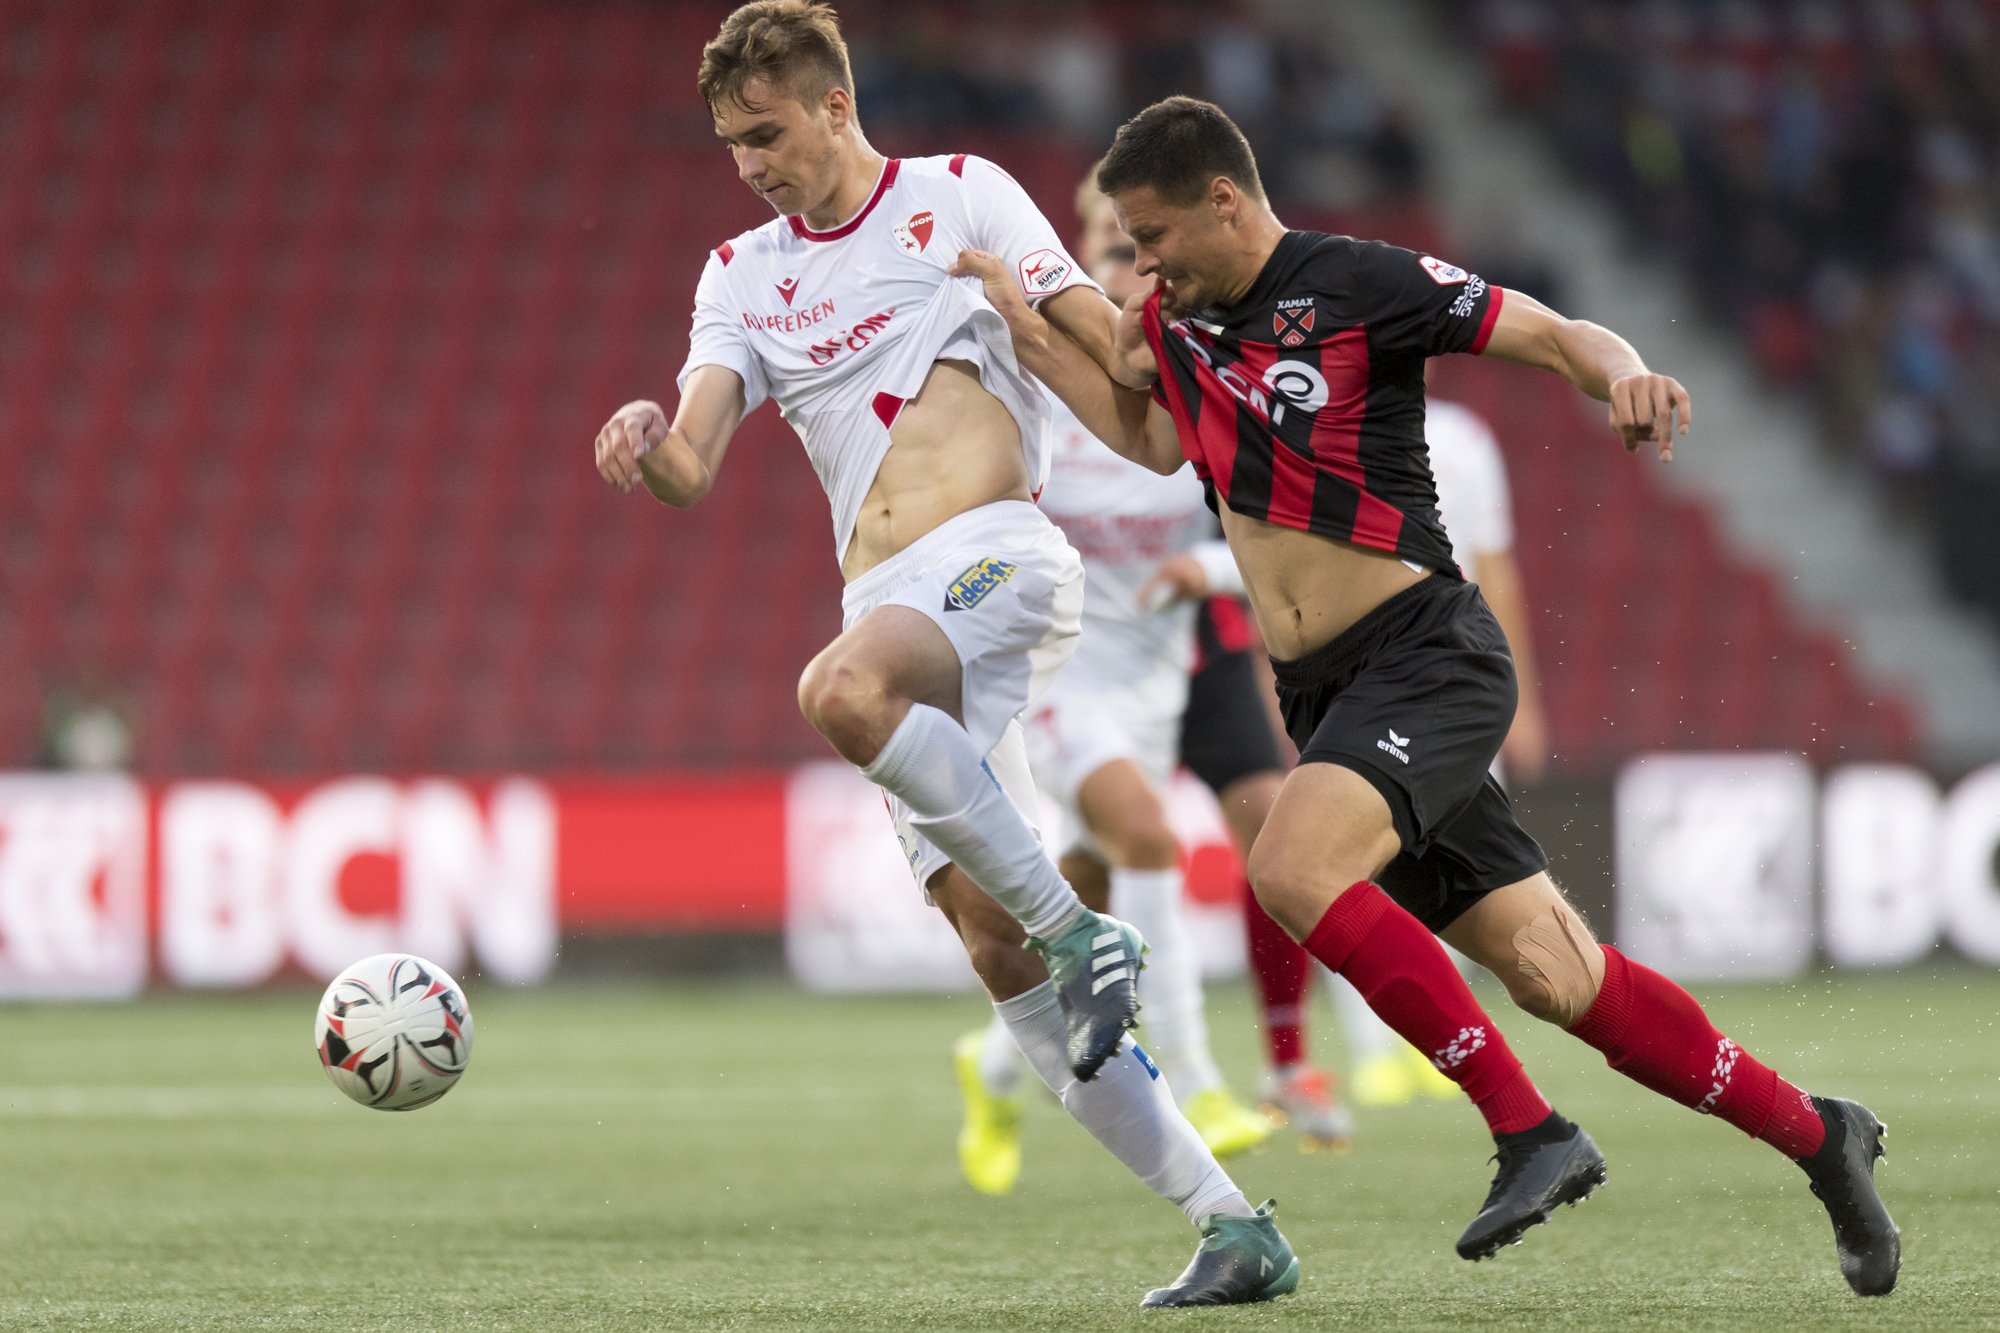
(741, 1156)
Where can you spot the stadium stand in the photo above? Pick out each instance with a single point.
(313, 308)
(1829, 173)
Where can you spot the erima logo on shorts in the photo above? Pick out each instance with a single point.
(1394, 745)
(977, 583)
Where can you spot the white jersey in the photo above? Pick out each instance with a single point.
(1125, 521)
(1471, 483)
(842, 326)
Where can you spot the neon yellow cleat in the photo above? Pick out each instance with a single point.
(1385, 1079)
(989, 1142)
(1226, 1125)
(1426, 1077)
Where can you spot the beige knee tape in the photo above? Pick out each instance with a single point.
(1555, 951)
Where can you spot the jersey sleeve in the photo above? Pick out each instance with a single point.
(1420, 304)
(719, 337)
(1002, 219)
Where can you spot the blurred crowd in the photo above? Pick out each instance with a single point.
(1828, 172)
(1324, 138)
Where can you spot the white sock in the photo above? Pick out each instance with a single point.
(956, 802)
(1126, 1108)
(1000, 1062)
(1367, 1035)
(1170, 994)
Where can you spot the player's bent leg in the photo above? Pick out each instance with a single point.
(1656, 1034)
(1330, 822)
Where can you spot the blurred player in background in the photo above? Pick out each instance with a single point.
(1289, 366)
(1101, 741)
(962, 598)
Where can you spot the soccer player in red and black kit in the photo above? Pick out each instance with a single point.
(1288, 366)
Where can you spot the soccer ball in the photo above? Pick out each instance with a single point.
(393, 1032)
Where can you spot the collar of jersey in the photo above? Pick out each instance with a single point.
(882, 184)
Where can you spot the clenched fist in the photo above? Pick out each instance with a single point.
(632, 433)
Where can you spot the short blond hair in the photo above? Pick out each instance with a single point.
(795, 46)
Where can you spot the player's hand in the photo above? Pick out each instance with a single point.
(1002, 292)
(1134, 364)
(1644, 408)
(1180, 579)
(632, 433)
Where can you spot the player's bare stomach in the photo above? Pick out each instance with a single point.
(1306, 589)
(954, 447)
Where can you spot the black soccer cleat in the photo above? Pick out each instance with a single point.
(1241, 1260)
(1553, 1163)
(1095, 963)
(1842, 1173)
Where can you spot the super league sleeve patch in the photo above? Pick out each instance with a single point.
(1043, 272)
(1443, 274)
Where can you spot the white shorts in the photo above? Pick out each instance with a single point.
(1080, 726)
(1006, 588)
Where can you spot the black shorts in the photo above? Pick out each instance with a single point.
(1225, 733)
(1416, 697)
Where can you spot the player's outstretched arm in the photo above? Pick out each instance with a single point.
(1599, 362)
(1126, 419)
(677, 462)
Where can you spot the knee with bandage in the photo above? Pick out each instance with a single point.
(1558, 967)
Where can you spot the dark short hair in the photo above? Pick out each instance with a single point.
(793, 45)
(1178, 146)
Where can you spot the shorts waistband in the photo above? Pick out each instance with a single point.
(959, 528)
(1340, 658)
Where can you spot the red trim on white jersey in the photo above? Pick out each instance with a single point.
(958, 164)
(888, 407)
(725, 252)
(888, 178)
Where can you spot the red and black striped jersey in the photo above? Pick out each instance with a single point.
(1303, 403)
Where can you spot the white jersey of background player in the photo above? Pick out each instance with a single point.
(961, 598)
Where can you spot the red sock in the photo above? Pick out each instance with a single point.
(1656, 1034)
(1282, 969)
(1407, 978)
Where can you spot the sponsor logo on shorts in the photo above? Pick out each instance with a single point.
(1394, 746)
(977, 583)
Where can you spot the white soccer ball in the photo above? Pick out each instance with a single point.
(393, 1032)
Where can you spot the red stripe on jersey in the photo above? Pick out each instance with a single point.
(888, 407)
(958, 164)
(1177, 405)
(889, 170)
(1292, 475)
(1492, 317)
(1336, 436)
(725, 252)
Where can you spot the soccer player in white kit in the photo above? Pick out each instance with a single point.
(1103, 741)
(962, 598)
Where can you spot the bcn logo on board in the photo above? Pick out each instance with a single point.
(243, 884)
